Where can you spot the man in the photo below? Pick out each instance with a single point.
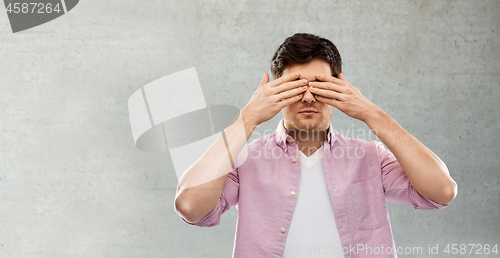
(306, 191)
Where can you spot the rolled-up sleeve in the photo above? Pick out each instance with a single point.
(397, 186)
(227, 200)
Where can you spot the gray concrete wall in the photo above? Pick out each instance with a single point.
(72, 184)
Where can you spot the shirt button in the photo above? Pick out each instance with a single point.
(292, 193)
(342, 223)
(289, 139)
(294, 159)
(333, 187)
(283, 230)
(284, 146)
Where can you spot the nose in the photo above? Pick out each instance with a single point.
(308, 97)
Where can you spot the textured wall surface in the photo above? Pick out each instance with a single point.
(72, 183)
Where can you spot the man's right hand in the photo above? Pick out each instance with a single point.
(271, 97)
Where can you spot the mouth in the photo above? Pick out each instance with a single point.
(308, 112)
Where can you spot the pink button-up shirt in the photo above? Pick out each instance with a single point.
(360, 175)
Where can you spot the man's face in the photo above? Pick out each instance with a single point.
(294, 114)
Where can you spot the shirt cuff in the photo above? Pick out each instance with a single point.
(433, 203)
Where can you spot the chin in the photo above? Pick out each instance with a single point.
(305, 123)
(308, 125)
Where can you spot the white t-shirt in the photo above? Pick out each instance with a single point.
(313, 232)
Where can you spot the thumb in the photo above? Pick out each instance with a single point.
(341, 77)
(264, 80)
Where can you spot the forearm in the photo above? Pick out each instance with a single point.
(426, 171)
(200, 187)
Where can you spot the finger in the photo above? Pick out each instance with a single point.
(330, 78)
(264, 80)
(328, 86)
(290, 85)
(327, 93)
(287, 102)
(284, 79)
(291, 93)
(341, 77)
(332, 102)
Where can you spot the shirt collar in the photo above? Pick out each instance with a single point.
(283, 139)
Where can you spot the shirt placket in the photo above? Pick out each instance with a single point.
(290, 162)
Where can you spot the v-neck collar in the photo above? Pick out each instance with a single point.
(311, 160)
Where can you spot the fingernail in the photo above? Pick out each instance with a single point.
(304, 87)
(296, 74)
(311, 84)
(304, 81)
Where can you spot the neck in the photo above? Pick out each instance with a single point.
(308, 141)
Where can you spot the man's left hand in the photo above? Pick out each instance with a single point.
(340, 94)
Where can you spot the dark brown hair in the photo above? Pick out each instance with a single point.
(301, 48)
